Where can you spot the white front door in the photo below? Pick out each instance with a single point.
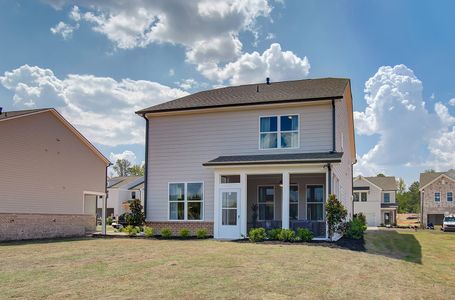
(229, 227)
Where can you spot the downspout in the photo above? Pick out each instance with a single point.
(333, 126)
(329, 175)
(352, 190)
(146, 164)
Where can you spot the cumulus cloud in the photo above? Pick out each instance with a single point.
(208, 30)
(63, 29)
(452, 101)
(102, 108)
(409, 135)
(127, 154)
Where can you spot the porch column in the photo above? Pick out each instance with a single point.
(327, 193)
(216, 204)
(243, 205)
(285, 201)
(103, 214)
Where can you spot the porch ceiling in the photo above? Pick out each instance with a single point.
(283, 158)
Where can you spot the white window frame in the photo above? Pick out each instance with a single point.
(279, 132)
(447, 196)
(185, 201)
(274, 200)
(383, 197)
(298, 201)
(439, 197)
(133, 193)
(323, 201)
(360, 199)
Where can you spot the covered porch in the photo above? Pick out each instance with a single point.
(282, 193)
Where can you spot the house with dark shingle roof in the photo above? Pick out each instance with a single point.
(256, 155)
(436, 196)
(375, 197)
(121, 190)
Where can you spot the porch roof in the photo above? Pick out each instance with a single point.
(282, 158)
(389, 205)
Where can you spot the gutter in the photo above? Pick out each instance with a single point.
(333, 126)
(146, 164)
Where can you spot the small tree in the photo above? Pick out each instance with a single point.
(136, 216)
(136, 170)
(122, 167)
(336, 215)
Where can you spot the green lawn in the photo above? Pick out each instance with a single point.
(397, 264)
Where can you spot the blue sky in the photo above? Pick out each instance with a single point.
(106, 59)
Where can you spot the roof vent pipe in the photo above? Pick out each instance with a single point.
(267, 80)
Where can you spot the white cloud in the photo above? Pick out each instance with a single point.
(65, 30)
(452, 102)
(102, 108)
(208, 30)
(407, 130)
(171, 72)
(188, 84)
(255, 67)
(127, 154)
(270, 36)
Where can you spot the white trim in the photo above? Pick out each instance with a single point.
(361, 177)
(274, 199)
(185, 201)
(244, 204)
(434, 180)
(279, 132)
(285, 176)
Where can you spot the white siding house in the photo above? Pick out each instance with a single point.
(212, 155)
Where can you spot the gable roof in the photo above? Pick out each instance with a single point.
(257, 94)
(138, 186)
(387, 183)
(11, 115)
(427, 178)
(118, 182)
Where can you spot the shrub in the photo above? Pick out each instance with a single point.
(201, 233)
(361, 218)
(131, 230)
(304, 235)
(184, 233)
(148, 231)
(257, 235)
(355, 228)
(109, 220)
(272, 234)
(286, 235)
(136, 216)
(166, 233)
(336, 215)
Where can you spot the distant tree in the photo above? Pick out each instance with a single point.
(380, 175)
(136, 170)
(409, 201)
(429, 171)
(122, 167)
(401, 186)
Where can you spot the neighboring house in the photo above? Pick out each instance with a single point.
(121, 190)
(216, 158)
(51, 176)
(436, 196)
(375, 197)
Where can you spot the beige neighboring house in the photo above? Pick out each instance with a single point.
(50, 176)
(121, 190)
(279, 148)
(375, 197)
(436, 196)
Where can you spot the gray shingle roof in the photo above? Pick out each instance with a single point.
(120, 181)
(387, 183)
(285, 158)
(137, 186)
(426, 178)
(9, 114)
(250, 94)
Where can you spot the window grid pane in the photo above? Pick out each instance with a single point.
(437, 197)
(269, 140)
(449, 196)
(269, 124)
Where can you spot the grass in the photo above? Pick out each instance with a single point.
(397, 264)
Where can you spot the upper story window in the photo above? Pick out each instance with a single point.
(449, 196)
(356, 196)
(437, 197)
(386, 197)
(133, 195)
(279, 132)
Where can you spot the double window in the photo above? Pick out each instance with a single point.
(437, 197)
(361, 196)
(315, 202)
(266, 202)
(279, 132)
(186, 201)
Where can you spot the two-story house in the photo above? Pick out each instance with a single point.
(121, 190)
(375, 197)
(436, 196)
(254, 155)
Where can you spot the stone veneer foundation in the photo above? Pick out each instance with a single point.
(25, 226)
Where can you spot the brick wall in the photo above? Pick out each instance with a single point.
(177, 226)
(40, 226)
(442, 185)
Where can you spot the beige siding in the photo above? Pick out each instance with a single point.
(44, 167)
(343, 170)
(372, 208)
(179, 144)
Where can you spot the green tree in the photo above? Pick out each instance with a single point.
(380, 175)
(429, 171)
(409, 201)
(336, 215)
(122, 167)
(401, 186)
(136, 216)
(136, 170)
